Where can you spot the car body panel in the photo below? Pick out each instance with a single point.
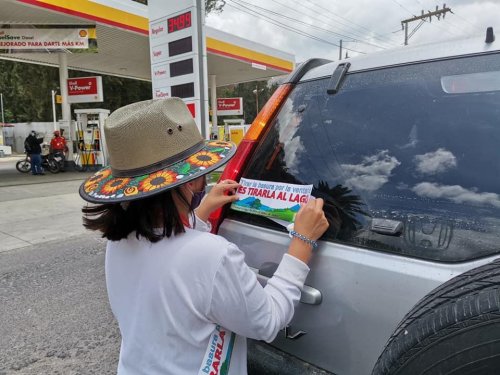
(406, 55)
(353, 321)
(365, 293)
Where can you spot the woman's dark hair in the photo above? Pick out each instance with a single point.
(153, 218)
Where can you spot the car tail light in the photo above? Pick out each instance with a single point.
(234, 168)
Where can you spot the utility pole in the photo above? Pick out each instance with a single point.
(438, 13)
(340, 50)
(3, 119)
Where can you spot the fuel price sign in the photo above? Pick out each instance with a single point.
(178, 55)
(180, 22)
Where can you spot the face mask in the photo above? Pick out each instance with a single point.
(197, 197)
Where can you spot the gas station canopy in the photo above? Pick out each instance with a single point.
(123, 42)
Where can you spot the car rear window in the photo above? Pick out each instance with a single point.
(405, 164)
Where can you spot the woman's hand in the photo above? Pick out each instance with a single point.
(310, 222)
(222, 193)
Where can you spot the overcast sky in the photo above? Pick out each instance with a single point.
(363, 25)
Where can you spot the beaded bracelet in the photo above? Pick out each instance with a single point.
(313, 243)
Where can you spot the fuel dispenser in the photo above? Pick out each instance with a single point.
(90, 140)
(234, 130)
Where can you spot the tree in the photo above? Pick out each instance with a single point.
(210, 5)
(264, 89)
(26, 89)
(214, 6)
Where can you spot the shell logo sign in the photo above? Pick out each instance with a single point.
(229, 106)
(85, 90)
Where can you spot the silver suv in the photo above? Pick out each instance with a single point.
(404, 147)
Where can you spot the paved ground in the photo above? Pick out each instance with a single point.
(37, 209)
(55, 316)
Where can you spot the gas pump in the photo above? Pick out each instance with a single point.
(90, 140)
(234, 130)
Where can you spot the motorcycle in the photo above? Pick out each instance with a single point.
(60, 159)
(48, 162)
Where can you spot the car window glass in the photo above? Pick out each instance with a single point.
(403, 165)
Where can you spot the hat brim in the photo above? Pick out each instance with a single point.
(103, 187)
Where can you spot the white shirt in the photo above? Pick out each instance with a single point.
(168, 296)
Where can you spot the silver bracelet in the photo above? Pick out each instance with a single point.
(313, 243)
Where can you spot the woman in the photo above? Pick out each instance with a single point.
(184, 298)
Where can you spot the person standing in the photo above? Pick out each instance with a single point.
(34, 150)
(58, 147)
(185, 300)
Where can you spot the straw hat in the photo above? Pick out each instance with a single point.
(153, 146)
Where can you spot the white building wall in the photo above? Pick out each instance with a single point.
(18, 133)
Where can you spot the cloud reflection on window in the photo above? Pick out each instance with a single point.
(456, 194)
(289, 124)
(435, 162)
(373, 172)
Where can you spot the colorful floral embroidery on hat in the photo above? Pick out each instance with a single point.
(89, 187)
(219, 144)
(130, 191)
(114, 185)
(157, 180)
(204, 159)
(103, 186)
(99, 176)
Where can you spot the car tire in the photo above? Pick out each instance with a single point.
(455, 329)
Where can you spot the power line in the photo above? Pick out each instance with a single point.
(437, 13)
(470, 23)
(415, 29)
(308, 9)
(459, 27)
(277, 23)
(302, 13)
(403, 7)
(308, 24)
(282, 25)
(375, 35)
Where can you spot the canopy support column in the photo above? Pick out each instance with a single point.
(213, 102)
(65, 106)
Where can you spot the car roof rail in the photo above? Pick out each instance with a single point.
(303, 68)
(337, 78)
(490, 36)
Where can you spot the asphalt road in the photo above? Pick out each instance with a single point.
(54, 310)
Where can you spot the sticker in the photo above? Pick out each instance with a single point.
(275, 200)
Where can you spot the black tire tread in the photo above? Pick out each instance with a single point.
(466, 300)
(22, 162)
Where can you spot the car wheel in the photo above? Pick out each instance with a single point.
(455, 329)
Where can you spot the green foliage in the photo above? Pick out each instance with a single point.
(248, 91)
(117, 91)
(210, 5)
(214, 6)
(26, 90)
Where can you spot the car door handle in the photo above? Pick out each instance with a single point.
(309, 295)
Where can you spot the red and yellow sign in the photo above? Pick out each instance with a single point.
(229, 106)
(85, 89)
(104, 12)
(99, 11)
